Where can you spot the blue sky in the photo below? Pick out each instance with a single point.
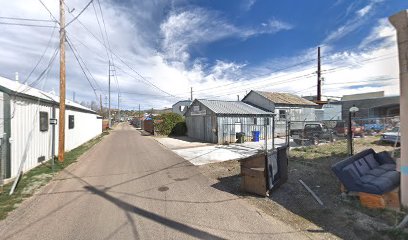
(220, 48)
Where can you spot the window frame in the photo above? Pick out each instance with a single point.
(44, 126)
(71, 123)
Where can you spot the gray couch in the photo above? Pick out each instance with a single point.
(368, 172)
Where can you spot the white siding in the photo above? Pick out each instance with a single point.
(29, 143)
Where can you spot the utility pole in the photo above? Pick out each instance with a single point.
(238, 97)
(109, 90)
(118, 106)
(319, 80)
(139, 110)
(61, 136)
(100, 103)
(191, 93)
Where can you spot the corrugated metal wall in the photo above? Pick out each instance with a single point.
(29, 143)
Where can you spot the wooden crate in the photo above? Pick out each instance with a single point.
(253, 175)
(388, 200)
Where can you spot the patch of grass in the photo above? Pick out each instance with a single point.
(38, 177)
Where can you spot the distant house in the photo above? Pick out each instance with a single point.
(181, 107)
(286, 106)
(218, 121)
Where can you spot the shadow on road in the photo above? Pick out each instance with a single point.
(152, 216)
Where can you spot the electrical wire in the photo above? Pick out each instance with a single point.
(79, 14)
(84, 64)
(26, 25)
(27, 19)
(48, 10)
(82, 68)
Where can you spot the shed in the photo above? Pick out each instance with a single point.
(181, 107)
(218, 121)
(25, 130)
(286, 106)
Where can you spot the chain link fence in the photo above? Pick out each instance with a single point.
(381, 134)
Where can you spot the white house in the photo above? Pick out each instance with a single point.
(25, 130)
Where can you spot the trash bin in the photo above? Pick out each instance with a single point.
(255, 136)
(240, 137)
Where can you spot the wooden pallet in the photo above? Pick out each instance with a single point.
(388, 200)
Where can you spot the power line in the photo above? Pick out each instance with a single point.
(85, 66)
(42, 56)
(83, 71)
(48, 10)
(27, 25)
(27, 19)
(79, 14)
(121, 60)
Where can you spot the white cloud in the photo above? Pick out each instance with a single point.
(133, 34)
(246, 5)
(276, 26)
(362, 12)
(383, 32)
(352, 23)
(195, 26)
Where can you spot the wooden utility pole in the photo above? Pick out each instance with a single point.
(61, 136)
(139, 110)
(100, 103)
(109, 90)
(118, 107)
(319, 77)
(191, 93)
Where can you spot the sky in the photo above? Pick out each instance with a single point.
(222, 49)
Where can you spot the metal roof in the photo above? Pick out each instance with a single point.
(232, 107)
(285, 98)
(24, 90)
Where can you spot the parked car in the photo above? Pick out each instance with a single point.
(341, 129)
(392, 136)
(313, 133)
(374, 127)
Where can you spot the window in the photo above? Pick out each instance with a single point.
(282, 114)
(70, 121)
(255, 121)
(196, 108)
(43, 121)
(182, 108)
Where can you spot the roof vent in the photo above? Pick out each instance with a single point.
(16, 77)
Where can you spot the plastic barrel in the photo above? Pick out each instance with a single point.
(255, 136)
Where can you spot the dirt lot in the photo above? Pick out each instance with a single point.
(340, 217)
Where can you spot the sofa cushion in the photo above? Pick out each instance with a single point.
(388, 167)
(394, 176)
(368, 178)
(362, 166)
(377, 172)
(352, 169)
(371, 161)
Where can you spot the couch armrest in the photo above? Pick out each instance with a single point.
(384, 158)
(349, 179)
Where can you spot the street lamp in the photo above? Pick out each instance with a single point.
(352, 111)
